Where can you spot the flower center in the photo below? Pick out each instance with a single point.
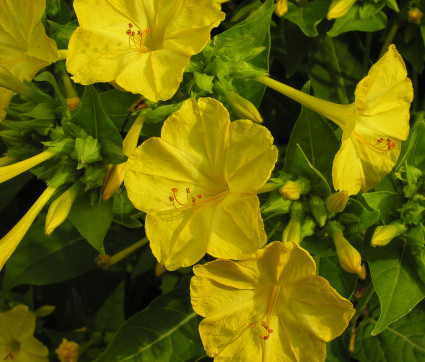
(192, 199)
(265, 329)
(137, 37)
(380, 146)
(11, 351)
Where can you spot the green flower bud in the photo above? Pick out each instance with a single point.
(292, 231)
(385, 233)
(318, 209)
(243, 107)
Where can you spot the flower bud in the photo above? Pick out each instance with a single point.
(73, 102)
(291, 190)
(337, 201)
(68, 351)
(349, 258)
(44, 311)
(243, 107)
(363, 273)
(281, 7)
(318, 209)
(414, 16)
(59, 209)
(292, 232)
(385, 233)
(339, 8)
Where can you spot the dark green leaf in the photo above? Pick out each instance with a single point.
(110, 315)
(92, 220)
(165, 331)
(396, 281)
(365, 218)
(41, 259)
(385, 202)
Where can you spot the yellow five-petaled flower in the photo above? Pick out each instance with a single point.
(143, 46)
(268, 307)
(198, 184)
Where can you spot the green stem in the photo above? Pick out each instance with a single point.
(363, 301)
(366, 56)
(268, 188)
(127, 251)
(389, 39)
(336, 77)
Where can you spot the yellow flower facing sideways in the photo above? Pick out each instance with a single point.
(143, 46)
(269, 307)
(17, 342)
(198, 184)
(373, 126)
(24, 47)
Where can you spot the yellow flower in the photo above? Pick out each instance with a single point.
(68, 351)
(17, 342)
(198, 184)
(373, 126)
(281, 7)
(269, 307)
(12, 239)
(25, 47)
(143, 46)
(339, 8)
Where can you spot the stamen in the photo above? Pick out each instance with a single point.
(380, 146)
(138, 43)
(193, 200)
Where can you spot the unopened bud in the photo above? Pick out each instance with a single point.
(339, 8)
(68, 351)
(292, 231)
(337, 201)
(73, 102)
(281, 7)
(318, 209)
(349, 258)
(414, 16)
(363, 272)
(291, 190)
(159, 269)
(243, 107)
(385, 233)
(59, 209)
(44, 311)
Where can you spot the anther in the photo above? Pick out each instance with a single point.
(171, 198)
(200, 196)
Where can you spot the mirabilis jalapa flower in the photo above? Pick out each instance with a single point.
(143, 46)
(373, 125)
(198, 184)
(268, 307)
(24, 47)
(17, 342)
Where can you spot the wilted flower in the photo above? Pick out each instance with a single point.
(198, 184)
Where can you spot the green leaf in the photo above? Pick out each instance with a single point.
(92, 220)
(404, 341)
(204, 81)
(309, 16)
(93, 119)
(414, 148)
(353, 21)
(385, 202)
(234, 43)
(62, 33)
(316, 138)
(343, 282)
(111, 314)
(302, 167)
(41, 259)
(87, 150)
(396, 281)
(165, 331)
(364, 219)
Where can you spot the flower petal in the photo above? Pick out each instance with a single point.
(347, 169)
(250, 157)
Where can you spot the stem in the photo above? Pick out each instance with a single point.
(62, 54)
(336, 77)
(127, 251)
(337, 113)
(267, 188)
(363, 301)
(389, 39)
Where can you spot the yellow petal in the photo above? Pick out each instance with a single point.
(347, 170)
(250, 157)
(5, 96)
(100, 50)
